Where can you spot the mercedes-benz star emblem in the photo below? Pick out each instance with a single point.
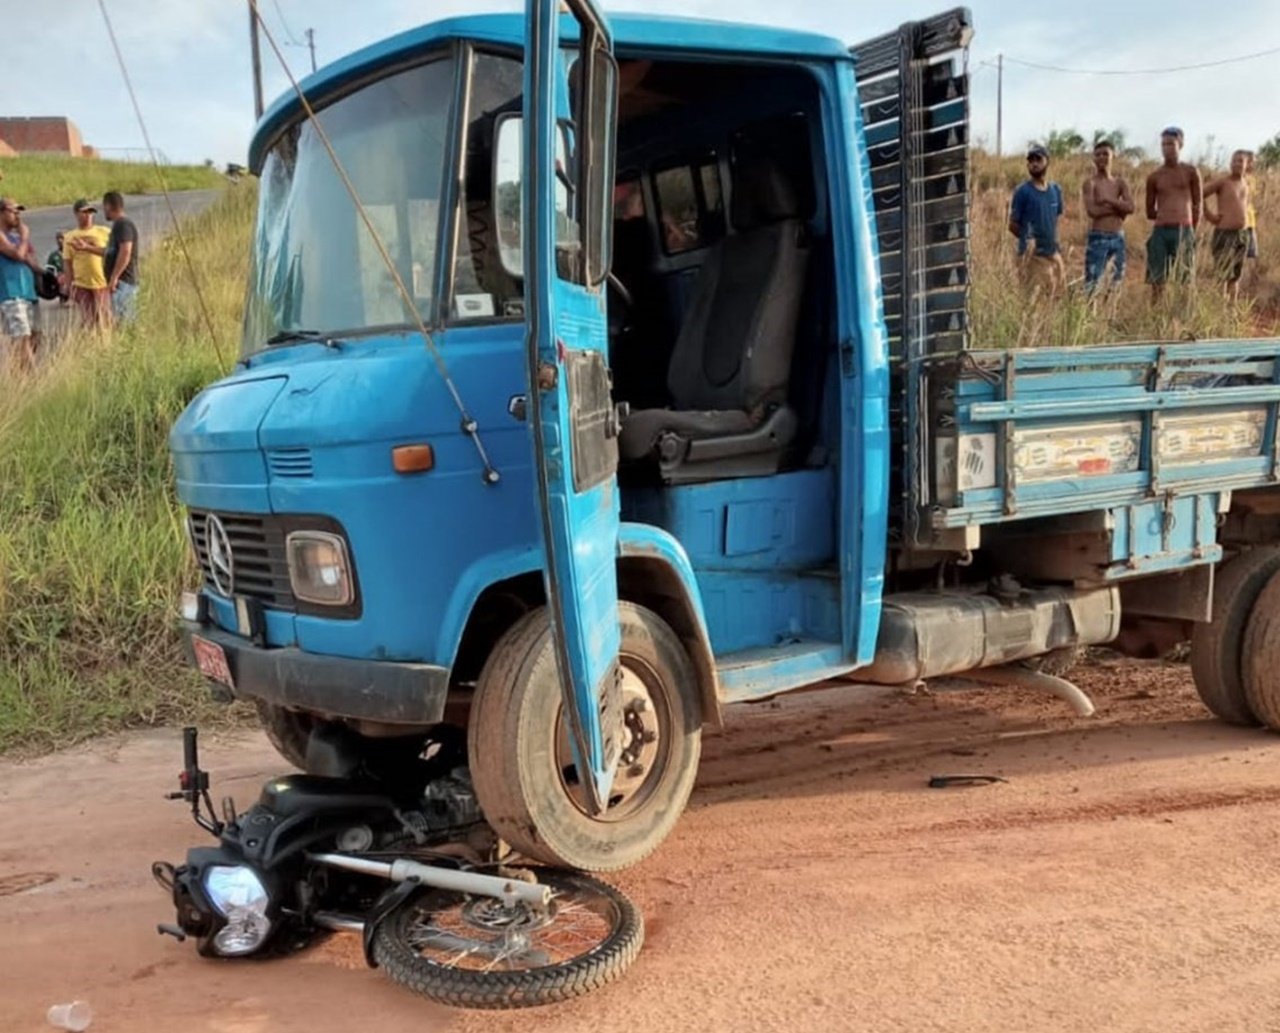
(221, 564)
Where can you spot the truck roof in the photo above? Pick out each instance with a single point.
(633, 33)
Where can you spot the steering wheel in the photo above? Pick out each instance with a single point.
(619, 288)
(619, 314)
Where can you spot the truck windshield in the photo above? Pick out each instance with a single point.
(315, 269)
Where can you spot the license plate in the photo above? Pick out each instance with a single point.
(211, 658)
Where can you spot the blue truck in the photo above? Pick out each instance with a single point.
(600, 373)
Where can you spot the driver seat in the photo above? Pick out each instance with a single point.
(731, 366)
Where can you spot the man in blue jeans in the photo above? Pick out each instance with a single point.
(1108, 202)
(1033, 219)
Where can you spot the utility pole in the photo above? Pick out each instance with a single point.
(999, 105)
(257, 59)
(311, 43)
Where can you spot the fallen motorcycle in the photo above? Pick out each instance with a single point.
(415, 873)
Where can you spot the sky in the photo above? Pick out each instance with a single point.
(189, 61)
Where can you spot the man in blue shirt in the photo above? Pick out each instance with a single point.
(1033, 219)
(18, 264)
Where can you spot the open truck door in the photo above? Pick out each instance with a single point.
(568, 143)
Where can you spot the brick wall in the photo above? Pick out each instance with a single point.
(59, 135)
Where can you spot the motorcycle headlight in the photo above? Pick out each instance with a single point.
(238, 895)
(319, 568)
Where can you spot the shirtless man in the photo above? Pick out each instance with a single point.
(1174, 197)
(1108, 202)
(1230, 223)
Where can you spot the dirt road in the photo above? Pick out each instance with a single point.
(1123, 879)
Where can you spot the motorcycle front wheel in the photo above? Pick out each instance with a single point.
(477, 952)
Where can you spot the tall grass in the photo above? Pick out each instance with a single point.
(49, 179)
(1004, 316)
(92, 552)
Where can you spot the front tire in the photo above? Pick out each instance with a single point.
(521, 768)
(470, 952)
(287, 731)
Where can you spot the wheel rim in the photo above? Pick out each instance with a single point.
(646, 745)
(483, 934)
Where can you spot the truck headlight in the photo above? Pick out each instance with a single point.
(319, 568)
(238, 895)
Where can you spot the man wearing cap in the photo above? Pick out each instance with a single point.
(82, 252)
(1033, 218)
(18, 264)
(1174, 199)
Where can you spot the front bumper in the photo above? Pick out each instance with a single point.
(332, 686)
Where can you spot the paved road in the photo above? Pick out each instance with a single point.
(149, 212)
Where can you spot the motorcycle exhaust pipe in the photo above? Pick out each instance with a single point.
(509, 891)
(337, 923)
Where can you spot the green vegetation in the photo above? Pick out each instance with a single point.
(1004, 316)
(92, 550)
(38, 180)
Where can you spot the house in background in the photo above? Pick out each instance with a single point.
(50, 135)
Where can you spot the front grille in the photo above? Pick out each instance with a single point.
(258, 556)
(289, 462)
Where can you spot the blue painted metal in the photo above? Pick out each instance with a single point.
(784, 522)
(749, 610)
(424, 546)
(759, 673)
(579, 528)
(863, 341)
(633, 34)
(1061, 389)
(1163, 534)
(216, 454)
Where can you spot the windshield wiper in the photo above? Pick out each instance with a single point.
(285, 336)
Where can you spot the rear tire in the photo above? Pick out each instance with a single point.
(1260, 656)
(1216, 647)
(515, 745)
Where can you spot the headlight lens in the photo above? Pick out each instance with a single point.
(319, 568)
(238, 895)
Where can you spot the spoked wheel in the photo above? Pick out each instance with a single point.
(478, 952)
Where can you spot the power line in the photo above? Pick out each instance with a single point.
(290, 37)
(1143, 71)
(164, 187)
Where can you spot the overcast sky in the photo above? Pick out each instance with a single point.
(189, 60)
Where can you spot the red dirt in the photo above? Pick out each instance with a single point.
(1123, 879)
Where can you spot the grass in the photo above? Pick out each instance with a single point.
(92, 551)
(1004, 317)
(39, 180)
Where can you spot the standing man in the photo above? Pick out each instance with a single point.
(1107, 202)
(1230, 224)
(18, 264)
(1033, 219)
(1251, 212)
(84, 275)
(121, 259)
(1174, 197)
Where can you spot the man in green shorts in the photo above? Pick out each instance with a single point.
(1174, 199)
(1231, 224)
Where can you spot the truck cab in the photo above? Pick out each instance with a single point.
(601, 373)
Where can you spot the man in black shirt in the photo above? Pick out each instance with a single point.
(121, 258)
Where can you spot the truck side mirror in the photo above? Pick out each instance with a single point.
(508, 202)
